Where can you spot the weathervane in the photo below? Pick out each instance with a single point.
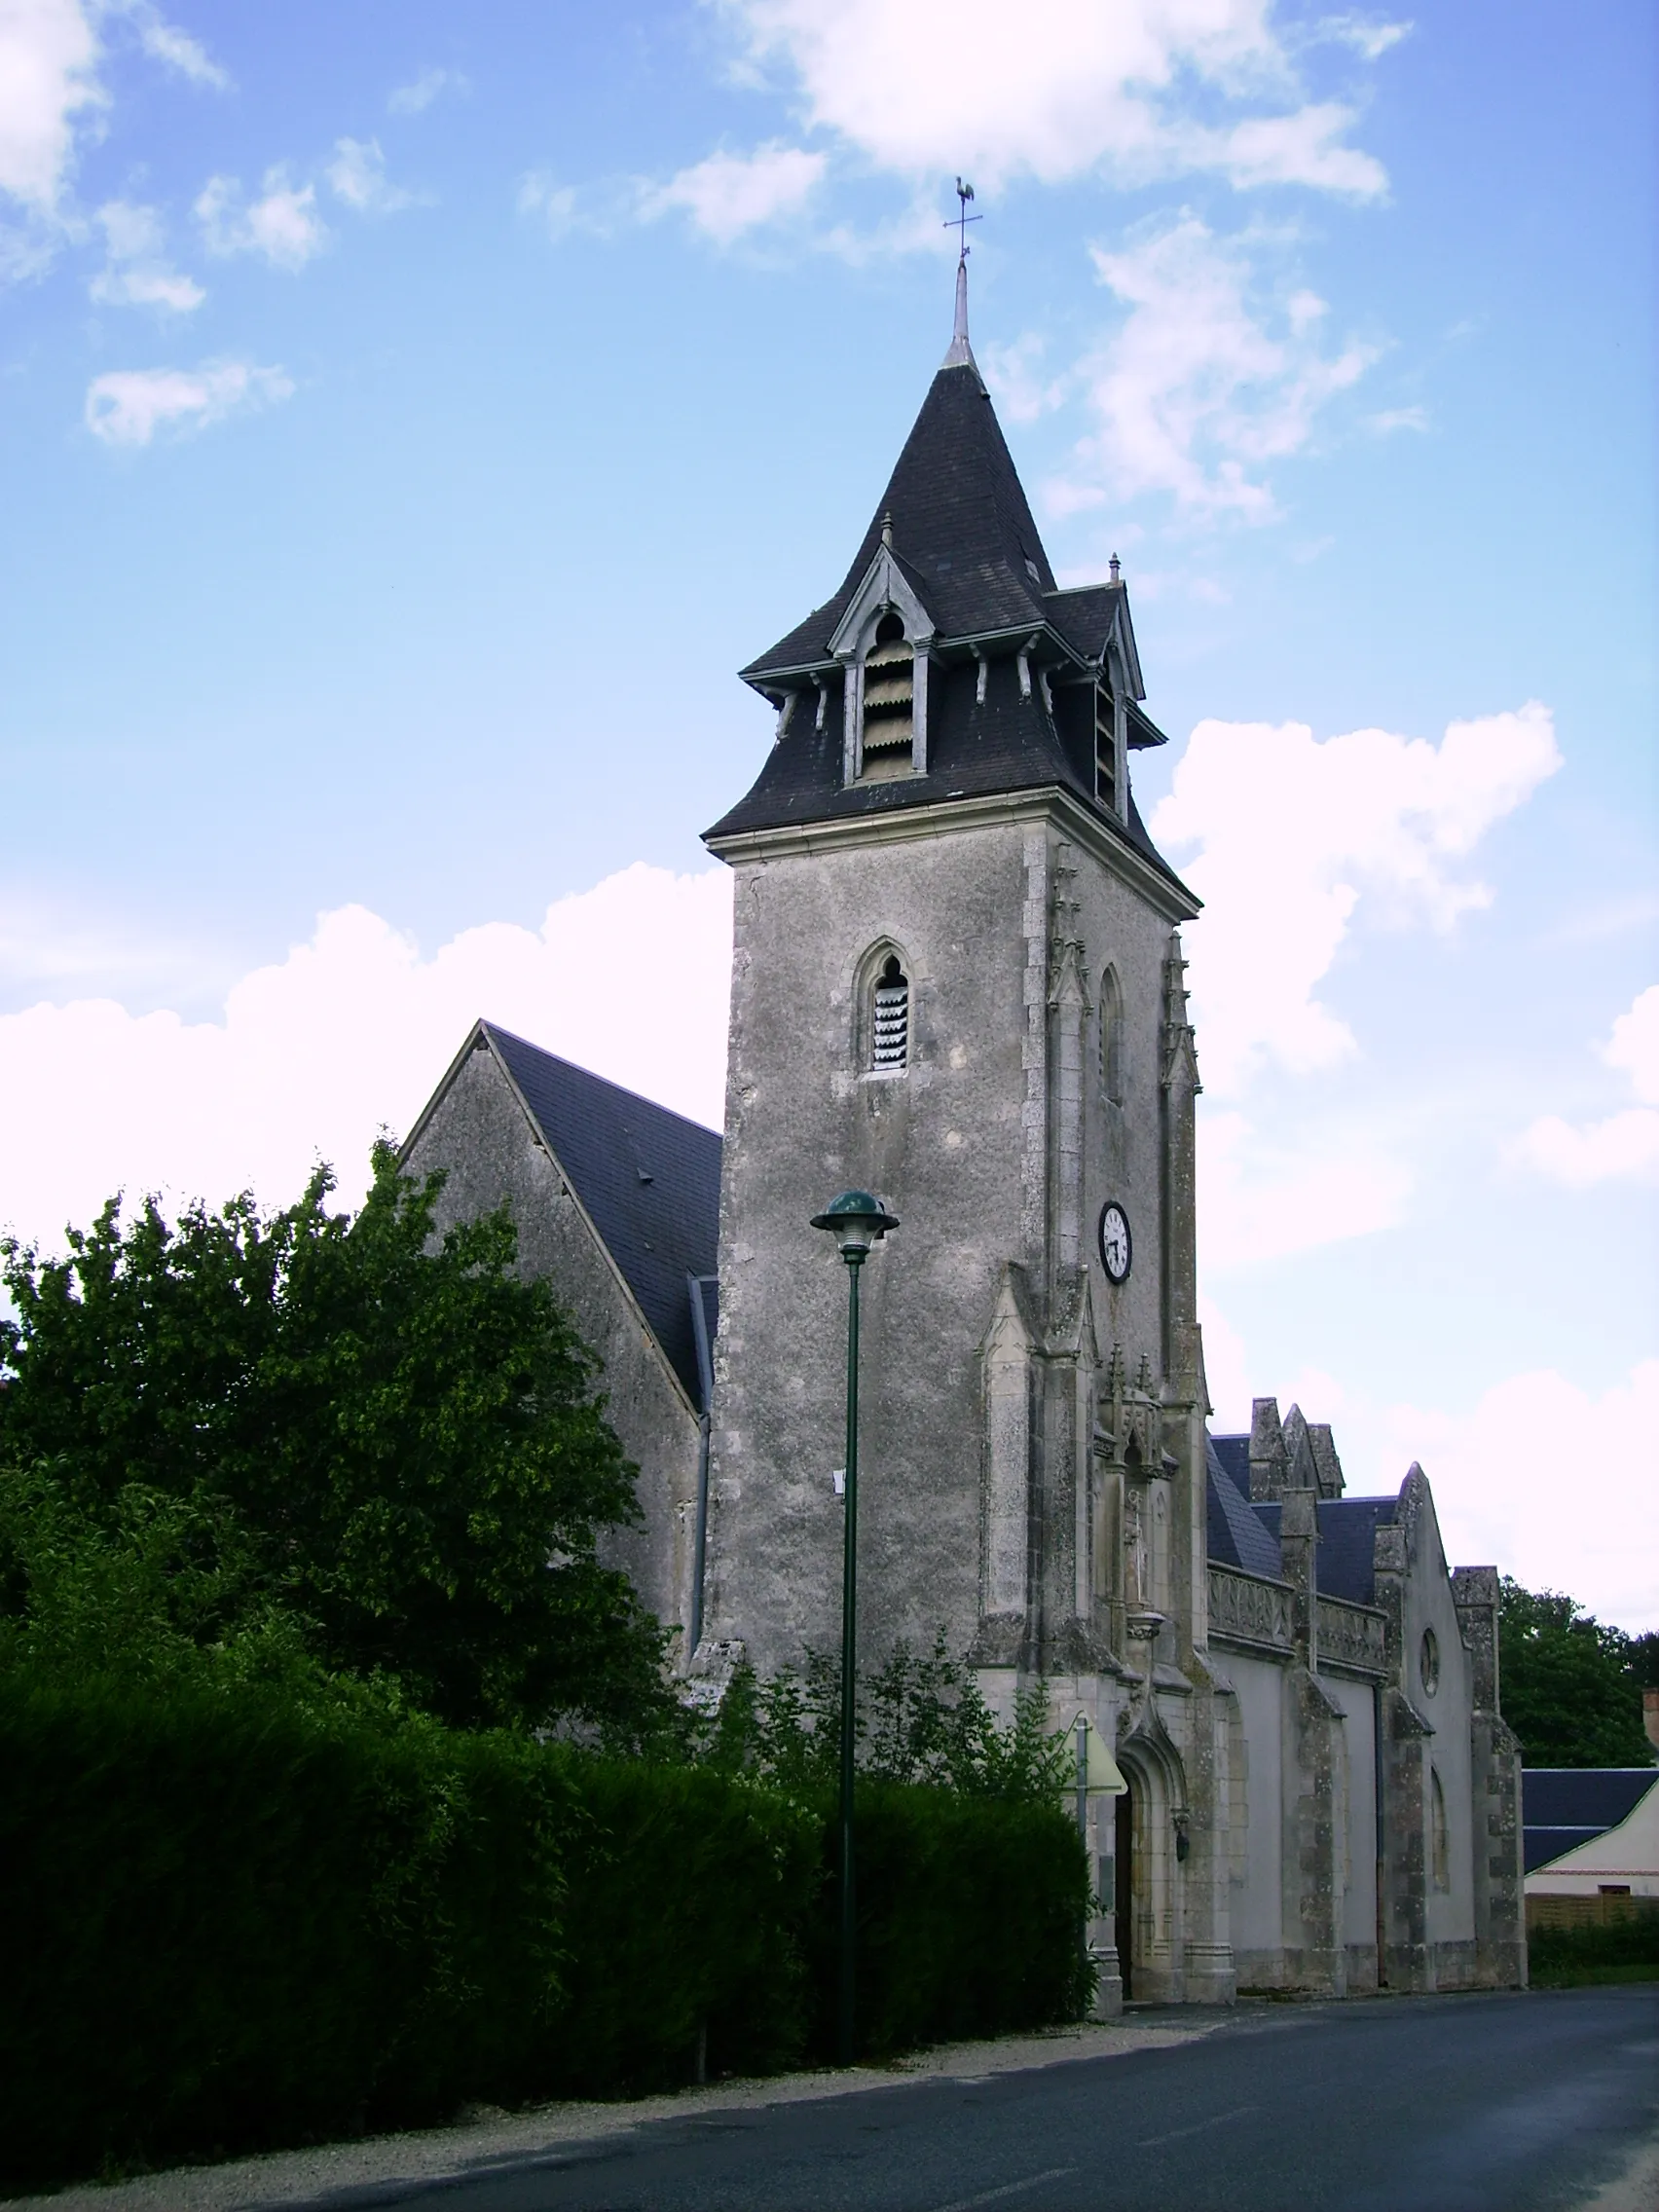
(960, 221)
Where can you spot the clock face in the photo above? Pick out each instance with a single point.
(1115, 1247)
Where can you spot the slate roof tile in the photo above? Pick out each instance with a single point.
(1348, 1532)
(648, 1179)
(961, 526)
(1563, 1807)
(1237, 1537)
(1596, 1798)
(1234, 1453)
(1006, 743)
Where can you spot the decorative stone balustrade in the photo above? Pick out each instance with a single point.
(1246, 1608)
(1351, 1637)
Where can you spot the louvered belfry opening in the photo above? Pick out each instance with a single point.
(889, 699)
(890, 1032)
(1105, 748)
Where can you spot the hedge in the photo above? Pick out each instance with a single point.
(969, 1911)
(1622, 1951)
(227, 1925)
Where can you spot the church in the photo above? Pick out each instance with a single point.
(957, 982)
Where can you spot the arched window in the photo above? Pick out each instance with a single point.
(890, 1016)
(889, 699)
(1111, 1038)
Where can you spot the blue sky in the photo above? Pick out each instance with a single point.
(410, 419)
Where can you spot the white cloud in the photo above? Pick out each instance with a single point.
(350, 1031)
(1624, 1143)
(1393, 419)
(135, 273)
(1018, 380)
(1208, 379)
(357, 175)
(596, 211)
(728, 193)
(1291, 835)
(176, 50)
(417, 97)
(1633, 1045)
(1496, 1473)
(1265, 1200)
(1055, 89)
(127, 407)
(1304, 148)
(1495, 1470)
(1369, 37)
(49, 52)
(284, 224)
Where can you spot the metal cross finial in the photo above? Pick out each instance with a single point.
(961, 219)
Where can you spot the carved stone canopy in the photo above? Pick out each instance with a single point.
(1129, 1417)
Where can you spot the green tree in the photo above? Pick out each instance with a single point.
(380, 1437)
(1567, 1683)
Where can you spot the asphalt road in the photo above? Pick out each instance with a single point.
(1454, 2104)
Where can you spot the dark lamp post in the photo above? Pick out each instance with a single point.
(856, 1221)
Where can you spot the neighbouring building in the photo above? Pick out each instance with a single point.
(957, 980)
(1592, 1841)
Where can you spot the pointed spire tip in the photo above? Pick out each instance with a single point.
(961, 353)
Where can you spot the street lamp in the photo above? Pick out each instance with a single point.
(856, 1221)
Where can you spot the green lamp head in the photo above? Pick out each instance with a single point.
(856, 1221)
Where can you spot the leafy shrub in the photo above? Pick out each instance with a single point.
(919, 1717)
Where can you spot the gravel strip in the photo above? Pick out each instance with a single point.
(485, 2138)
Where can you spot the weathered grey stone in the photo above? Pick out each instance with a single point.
(478, 1131)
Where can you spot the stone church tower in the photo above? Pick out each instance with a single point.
(957, 982)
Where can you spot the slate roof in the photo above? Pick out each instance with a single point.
(1006, 744)
(1348, 1532)
(1238, 1536)
(1563, 1807)
(1232, 1454)
(961, 526)
(964, 536)
(1347, 1545)
(648, 1179)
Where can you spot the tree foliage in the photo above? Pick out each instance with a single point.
(920, 1717)
(307, 1439)
(1570, 1686)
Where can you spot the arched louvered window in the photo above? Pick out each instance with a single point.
(890, 1016)
(889, 700)
(1112, 1038)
